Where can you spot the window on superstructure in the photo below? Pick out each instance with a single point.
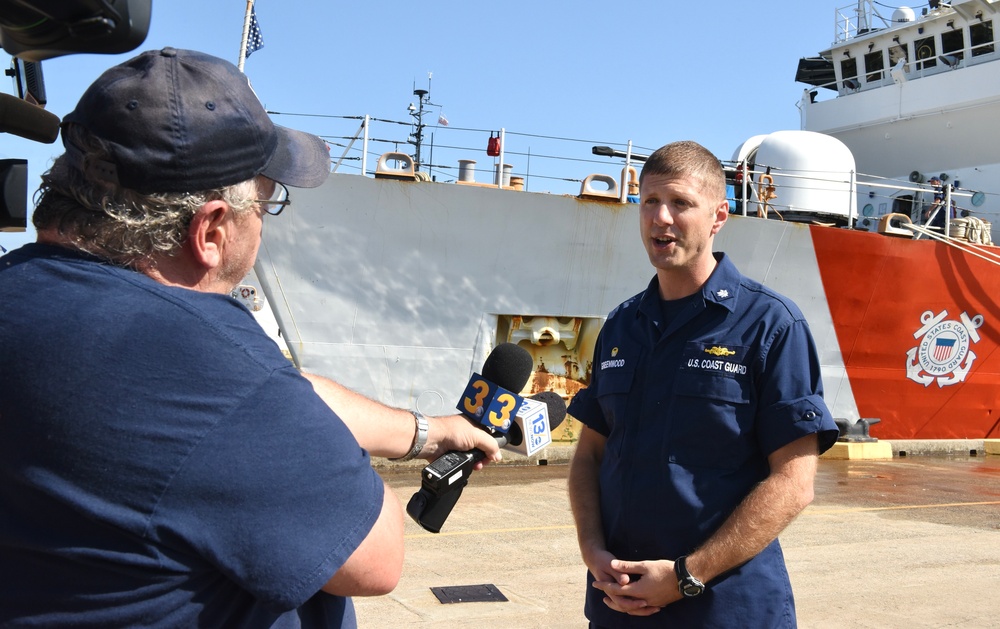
(849, 73)
(981, 38)
(953, 46)
(874, 66)
(926, 53)
(897, 53)
(903, 204)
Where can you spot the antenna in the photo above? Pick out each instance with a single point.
(417, 112)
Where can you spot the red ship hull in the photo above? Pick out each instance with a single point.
(916, 322)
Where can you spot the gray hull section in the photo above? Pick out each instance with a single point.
(394, 288)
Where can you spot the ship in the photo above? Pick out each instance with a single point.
(397, 282)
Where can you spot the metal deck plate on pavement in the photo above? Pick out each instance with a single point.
(485, 593)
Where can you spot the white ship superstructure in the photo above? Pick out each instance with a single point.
(915, 95)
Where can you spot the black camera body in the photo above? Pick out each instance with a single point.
(35, 30)
(32, 31)
(441, 485)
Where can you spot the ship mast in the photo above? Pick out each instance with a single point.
(417, 111)
(862, 16)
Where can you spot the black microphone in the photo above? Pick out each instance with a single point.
(533, 426)
(509, 365)
(505, 372)
(491, 399)
(442, 481)
(26, 120)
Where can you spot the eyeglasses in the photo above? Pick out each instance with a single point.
(278, 201)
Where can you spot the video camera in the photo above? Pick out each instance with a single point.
(35, 30)
(32, 31)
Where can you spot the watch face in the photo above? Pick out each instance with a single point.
(691, 589)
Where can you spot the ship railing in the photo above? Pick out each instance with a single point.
(562, 165)
(839, 195)
(451, 154)
(753, 200)
(856, 19)
(914, 195)
(946, 61)
(988, 254)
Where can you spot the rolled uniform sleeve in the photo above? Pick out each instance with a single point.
(586, 408)
(791, 396)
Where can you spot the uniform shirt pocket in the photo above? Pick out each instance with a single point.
(711, 421)
(612, 394)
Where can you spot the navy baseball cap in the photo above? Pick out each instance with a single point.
(183, 121)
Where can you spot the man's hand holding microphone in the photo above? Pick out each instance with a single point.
(490, 401)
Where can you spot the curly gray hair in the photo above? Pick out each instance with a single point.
(115, 223)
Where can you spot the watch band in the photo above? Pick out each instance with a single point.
(419, 437)
(688, 585)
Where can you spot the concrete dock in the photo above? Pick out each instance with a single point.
(909, 542)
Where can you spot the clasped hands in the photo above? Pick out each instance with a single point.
(638, 588)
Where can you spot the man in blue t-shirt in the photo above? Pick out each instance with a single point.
(161, 463)
(703, 422)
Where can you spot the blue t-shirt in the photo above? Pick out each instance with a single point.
(161, 462)
(691, 409)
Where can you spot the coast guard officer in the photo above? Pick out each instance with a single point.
(703, 422)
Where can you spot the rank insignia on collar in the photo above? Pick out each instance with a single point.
(722, 294)
(719, 351)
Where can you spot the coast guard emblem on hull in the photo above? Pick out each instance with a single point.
(944, 352)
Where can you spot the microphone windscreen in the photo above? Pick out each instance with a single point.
(556, 410)
(27, 120)
(556, 406)
(508, 365)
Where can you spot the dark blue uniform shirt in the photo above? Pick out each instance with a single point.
(691, 409)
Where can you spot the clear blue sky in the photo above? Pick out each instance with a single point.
(647, 71)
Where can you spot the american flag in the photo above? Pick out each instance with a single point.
(255, 40)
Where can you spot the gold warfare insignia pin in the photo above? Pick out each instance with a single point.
(719, 351)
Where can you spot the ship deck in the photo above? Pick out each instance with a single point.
(909, 542)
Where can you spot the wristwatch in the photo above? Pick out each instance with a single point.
(419, 437)
(687, 584)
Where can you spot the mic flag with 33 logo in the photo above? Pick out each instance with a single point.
(489, 404)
